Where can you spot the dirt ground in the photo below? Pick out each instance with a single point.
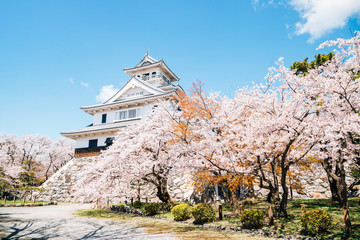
(57, 222)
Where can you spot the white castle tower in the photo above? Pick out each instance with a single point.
(151, 81)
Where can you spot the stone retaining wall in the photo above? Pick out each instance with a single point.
(60, 186)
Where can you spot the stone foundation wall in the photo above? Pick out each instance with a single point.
(60, 186)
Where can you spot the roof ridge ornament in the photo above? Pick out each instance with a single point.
(147, 53)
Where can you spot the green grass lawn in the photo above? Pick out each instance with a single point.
(289, 226)
(18, 201)
(292, 225)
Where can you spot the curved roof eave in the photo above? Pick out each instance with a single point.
(176, 78)
(141, 67)
(99, 106)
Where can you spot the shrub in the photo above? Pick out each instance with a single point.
(203, 212)
(316, 221)
(152, 208)
(181, 212)
(252, 218)
(137, 204)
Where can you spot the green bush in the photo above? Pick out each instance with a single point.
(181, 212)
(137, 204)
(152, 208)
(316, 221)
(252, 218)
(203, 212)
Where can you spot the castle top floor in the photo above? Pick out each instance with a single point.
(152, 70)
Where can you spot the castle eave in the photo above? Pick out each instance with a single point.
(100, 129)
(161, 64)
(125, 103)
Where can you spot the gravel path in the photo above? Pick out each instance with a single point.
(57, 222)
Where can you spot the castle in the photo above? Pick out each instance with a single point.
(150, 82)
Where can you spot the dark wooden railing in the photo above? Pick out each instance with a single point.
(88, 152)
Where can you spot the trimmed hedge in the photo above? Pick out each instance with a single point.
(137, 204)
(181, 212)
(317, 221)
(252, 218)
(203, 212)
(152, 208)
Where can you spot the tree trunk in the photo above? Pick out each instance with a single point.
(342, 188)
(234, 202)
(332, 182)
(347, 221)
(334, 190)
(291, 190)
(337, 174)
(162, 192)
(138, 192)
(276, 201)
(269, 196)
(285, 194)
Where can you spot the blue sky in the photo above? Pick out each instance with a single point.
(55, 56)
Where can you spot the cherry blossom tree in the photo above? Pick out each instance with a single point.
(333, 91)
(143, 153)
(9, 167)
(329, 98)
(27, 161)
(209, 128)
(59, 153)
(261, 133)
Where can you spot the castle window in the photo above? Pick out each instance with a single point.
(93, 143)
(132, 113)
(145, 76)
(103, 118)
(122, 115)
(128, 114)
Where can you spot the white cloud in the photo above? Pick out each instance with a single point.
(71, 80)
(84, 84)
(106, 92)
(321, 16)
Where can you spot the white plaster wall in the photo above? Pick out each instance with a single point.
(147, 109)
(110, 116)
(84, 142)
(97, 118)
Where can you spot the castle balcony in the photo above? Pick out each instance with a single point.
(89, 152)
(160, 76)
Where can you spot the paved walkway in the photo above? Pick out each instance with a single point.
(57, 222)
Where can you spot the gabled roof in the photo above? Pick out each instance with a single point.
(147, 63)
(146, 60)
(134, 82)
